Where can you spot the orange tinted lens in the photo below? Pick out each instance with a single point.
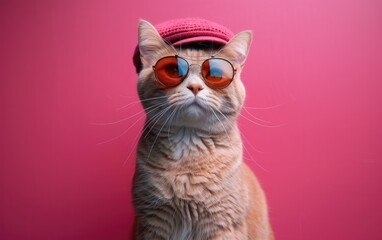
(217, 72)
(171, 70)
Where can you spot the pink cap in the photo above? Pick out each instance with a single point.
(188, 30)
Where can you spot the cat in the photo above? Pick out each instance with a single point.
(190, 180)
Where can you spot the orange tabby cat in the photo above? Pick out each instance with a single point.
(190, 180)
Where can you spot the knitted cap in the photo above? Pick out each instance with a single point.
(189, 30)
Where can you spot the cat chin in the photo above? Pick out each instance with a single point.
(193, 115)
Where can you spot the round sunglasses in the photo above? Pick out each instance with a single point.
(217, 73)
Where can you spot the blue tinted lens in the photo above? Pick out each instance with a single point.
(182, 67)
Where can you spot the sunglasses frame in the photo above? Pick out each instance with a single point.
(234, 70)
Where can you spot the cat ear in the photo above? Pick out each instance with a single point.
(237, 48)
(149, 40)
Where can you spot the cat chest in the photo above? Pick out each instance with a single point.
(187, 143)
(196, 197)
(192, 217)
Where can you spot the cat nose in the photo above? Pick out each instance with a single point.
(195, 88)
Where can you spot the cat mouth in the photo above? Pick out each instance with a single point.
(197, 103)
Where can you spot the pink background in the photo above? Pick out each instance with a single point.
(315, 67)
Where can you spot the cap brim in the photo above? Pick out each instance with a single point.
(199, 39)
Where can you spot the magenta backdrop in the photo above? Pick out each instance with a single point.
(315, 68)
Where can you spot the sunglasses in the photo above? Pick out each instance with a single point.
(217, 73)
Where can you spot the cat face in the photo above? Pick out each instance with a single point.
(192, 103)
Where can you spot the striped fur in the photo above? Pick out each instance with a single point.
(190, 181)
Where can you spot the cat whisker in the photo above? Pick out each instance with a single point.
(245, 147)
(250, 159)
(139, 101)
(175, 99)
(140, 134)
(222, 114)
(250, 155)
(169, 125)
(132, 149)
(265, 108)
(260, 124)
(152, 146)
(256, 118)
(251, 145)
(125, 96)
(124, 132)
(124, 119)
(225, 130)
(151, 120)
(212, 100)
(157, 117)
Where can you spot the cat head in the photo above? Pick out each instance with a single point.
(193, 102)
